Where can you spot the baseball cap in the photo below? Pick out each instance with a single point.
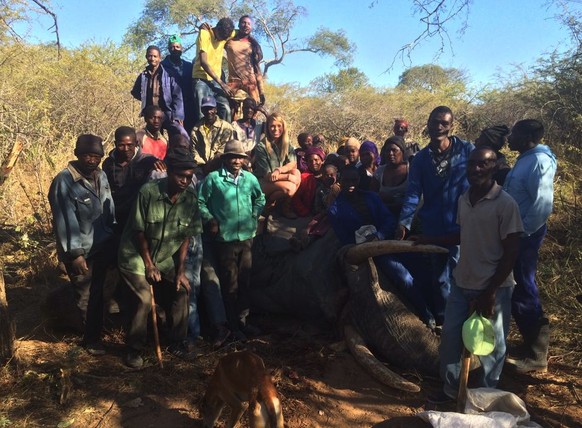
(208, 101)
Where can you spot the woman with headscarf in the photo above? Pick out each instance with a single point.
(369, 161)
(275, 165)
(391, 179)
(303, 201)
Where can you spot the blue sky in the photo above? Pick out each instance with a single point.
(501, 35)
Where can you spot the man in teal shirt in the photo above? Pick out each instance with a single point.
(230, 203)
(153, 251)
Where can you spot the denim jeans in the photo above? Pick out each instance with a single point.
(442, 266)
(409, 275)
(525, 302)
(174, 128)
(193, 266)
(204, 283)
(451, 348)
(203, 88)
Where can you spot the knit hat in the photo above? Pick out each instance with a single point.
(89, 144)
(370, 146)
(175, 39)
(179, 158)
(234, 148)
(313, 150)
(397, 141)
(494, 136)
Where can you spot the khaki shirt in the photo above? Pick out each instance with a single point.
(206, 145)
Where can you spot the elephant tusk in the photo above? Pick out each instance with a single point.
(369, 362)
(357, 254)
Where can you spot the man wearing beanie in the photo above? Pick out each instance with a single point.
(153, 251)
(83, 220)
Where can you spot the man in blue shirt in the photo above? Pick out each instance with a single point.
(531, 184)
(438, 174)
(83, 221)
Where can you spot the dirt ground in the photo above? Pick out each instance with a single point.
(53, 382)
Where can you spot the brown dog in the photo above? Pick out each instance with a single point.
(241, 377)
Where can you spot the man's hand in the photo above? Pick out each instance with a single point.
(485, 303)
(212, 227)
(159, 165)
(182, 281)
(227, 90)
(400, 232)
(153, 274)
(80, 266)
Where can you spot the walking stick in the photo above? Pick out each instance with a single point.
(155, 327)
(464, 376)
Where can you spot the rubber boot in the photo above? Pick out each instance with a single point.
(537, 360)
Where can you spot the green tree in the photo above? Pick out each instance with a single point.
(344, 80)
(274, 22)
(432, 78)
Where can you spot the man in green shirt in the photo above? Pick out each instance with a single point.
(153, 251)
(230, 203)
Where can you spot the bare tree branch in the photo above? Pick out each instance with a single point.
(435, 17)
(54, 27)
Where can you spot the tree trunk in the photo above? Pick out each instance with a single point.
(6, 325)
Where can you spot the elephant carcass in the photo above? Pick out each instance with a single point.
(307, 285)
(389, 327)
(312, 285)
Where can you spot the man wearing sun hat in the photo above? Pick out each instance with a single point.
(83, 220)
(230, 202)
(490, 229)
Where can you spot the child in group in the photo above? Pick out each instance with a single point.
(305, 141)
(327, 189)
(230, 202)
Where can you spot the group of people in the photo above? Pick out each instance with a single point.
(179, 87)
(179, 214)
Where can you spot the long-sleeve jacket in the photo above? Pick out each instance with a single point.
(83, 217)
(170, 92)
(345, 220)
(126, 180)
(438, 214)
(236, 206)
(531, 184)
(207, 146)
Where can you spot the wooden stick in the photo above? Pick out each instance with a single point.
(155, 327)
(463, 379)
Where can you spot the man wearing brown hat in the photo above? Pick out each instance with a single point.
(153, 251)
(83, 220)
(230, 203)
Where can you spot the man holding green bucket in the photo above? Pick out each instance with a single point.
(490, 230)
